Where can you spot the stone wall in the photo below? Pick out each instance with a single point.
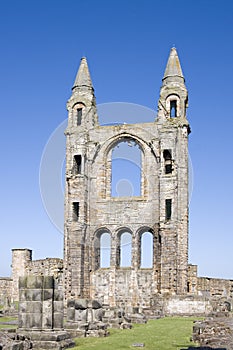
(129, 288)
(5, 291)
(23, 265)
(46, 267)
(187, 305)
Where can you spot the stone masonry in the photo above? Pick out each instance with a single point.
(161, 209)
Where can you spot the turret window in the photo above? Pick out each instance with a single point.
(167, 161)
(173, 109)
(79, 116)
(76, 211)
(168, 209)
(77, 164)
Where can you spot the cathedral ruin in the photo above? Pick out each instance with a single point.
(127, 251)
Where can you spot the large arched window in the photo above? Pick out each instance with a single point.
(126, 169)
(146, 250)
(125, 249)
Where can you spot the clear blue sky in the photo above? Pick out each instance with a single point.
(127, 45)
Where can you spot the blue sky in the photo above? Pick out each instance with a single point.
(127, 45)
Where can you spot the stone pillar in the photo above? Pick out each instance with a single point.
(41, 313)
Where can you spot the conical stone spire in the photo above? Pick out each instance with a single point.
(83, 77)
(173, 71)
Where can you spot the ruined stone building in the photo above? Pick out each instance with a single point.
(106, 236)
(160, 209)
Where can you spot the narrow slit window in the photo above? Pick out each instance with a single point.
(173, 109)
(167, 161)
(77, 164)
(168, 208)
(79, 116)
(76, 211)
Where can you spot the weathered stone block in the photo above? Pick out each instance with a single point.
(95, 304)
(98, 314)
(58, 306)
(58, 295)
(48, 282)
(71, 314)
(70, 303)
(34, 282)
(80, 315)
(47, 294)
(22, 282)
(57, 320)
(81, 304)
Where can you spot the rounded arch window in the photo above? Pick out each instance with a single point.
(102, 249)
(146, 250)
(105, 249)
(125, 249)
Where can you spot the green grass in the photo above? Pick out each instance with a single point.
(170, 333)
(7, 319)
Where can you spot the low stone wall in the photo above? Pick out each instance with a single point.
(214, 333)
(5, 291)
(215, 287)
(187, 305)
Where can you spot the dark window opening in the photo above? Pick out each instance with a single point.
(77, 163)
(160, 239)
(168, 161)
(79, 116)
(188, 287)
(173, 109)
(168, 168)
(168, 209)
(76, 211)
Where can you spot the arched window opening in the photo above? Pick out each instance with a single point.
(105, 250)
(126, 169)
(173, 108)
(126, 250)
(79, 116)
(146, 250)
(167, 161)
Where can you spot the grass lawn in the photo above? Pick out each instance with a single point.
(7, 319)
(163, 334)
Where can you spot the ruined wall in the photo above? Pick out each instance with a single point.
(5, 291)
(45, 267)
(161, 207)
(23, 265)
(215, 287)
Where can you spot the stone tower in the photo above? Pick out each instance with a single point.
(153, 223)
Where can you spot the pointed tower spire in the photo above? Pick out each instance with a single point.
(82, 105)
(173, 100)
(173, 71)
(83, 77)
